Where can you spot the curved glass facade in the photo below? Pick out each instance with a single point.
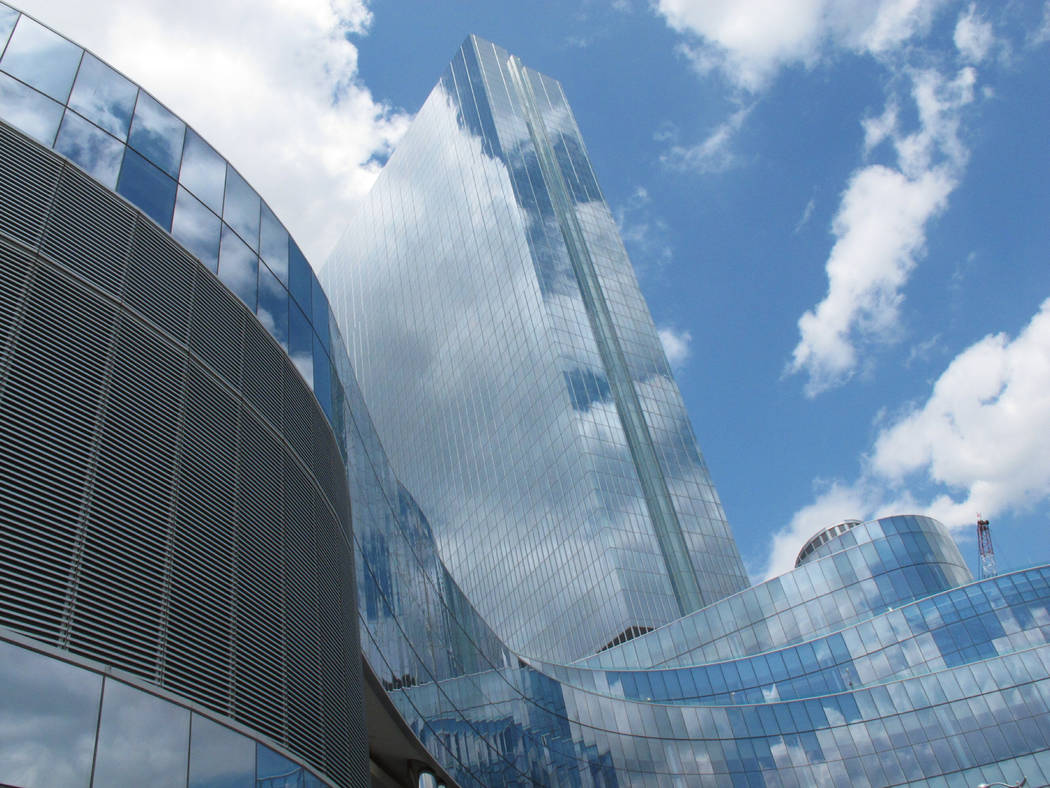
(172, 501)
(882, 564)
(69, 100)
(878, 661)
(72, 723)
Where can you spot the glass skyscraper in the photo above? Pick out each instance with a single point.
(213, 574)
(515, 376)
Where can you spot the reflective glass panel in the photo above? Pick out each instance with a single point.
(300, 342)
(157, 134)
(147, 187)
(48, 714)
(41, 58)
(320, 314)
(142, 739)
(273, 306)
(220, 757)
(197, 228)
(322, 378)
(241, 207)
(89, 146)
(273, 244)
(203, 171)
(300, 279)
(103, 96)
(276, 771)
(28, 110)
(8, 17)
(238, 267)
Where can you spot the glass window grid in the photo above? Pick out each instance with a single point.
(709, 631)
(161, 212)
(163, 747)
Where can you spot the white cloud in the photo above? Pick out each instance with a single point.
(1042, 34)
(983, 428)
(880, 231)
(676, 345)
(748, 41)
(877, 130)
(273, 85)
(644, 234)
(973, 36)
(807, 214)
(978, 441)
(712, 154)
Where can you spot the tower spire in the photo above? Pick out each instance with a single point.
(985, 551)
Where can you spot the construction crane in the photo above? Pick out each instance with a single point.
(985, 551)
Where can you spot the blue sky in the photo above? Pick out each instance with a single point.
(837, 210)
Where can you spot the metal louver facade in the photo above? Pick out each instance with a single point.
(172, 499)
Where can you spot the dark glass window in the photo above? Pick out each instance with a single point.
(322, 378)
(48, 715)
(147, 187)
(42, 59)
(29, 110)
(220, 757)
(300, 342)
(241, 208)
(142, 739)
(8, 17)
(273, 244)
(103, 96)
(89, 146)
(276, 771)
(239, 268)
(157, 134)
(203, 171)
(197, 228)
(273, 306)
(299, 277)
(320, 314)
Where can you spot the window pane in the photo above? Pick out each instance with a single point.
(103, 96)
(157, 134)
(299, 277)
(48, 714)
(322, 378)
(273, 306)
(320, 314)
(238, 267)
(276, 771)
(142, 740)
(220, 757)
(90, 147)
(8, 17)
(29, 111)
(273, 244)
(300, 343)
(42, 59)
(241, 208)
(197, 228)
(147, 187)
(203, 171)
